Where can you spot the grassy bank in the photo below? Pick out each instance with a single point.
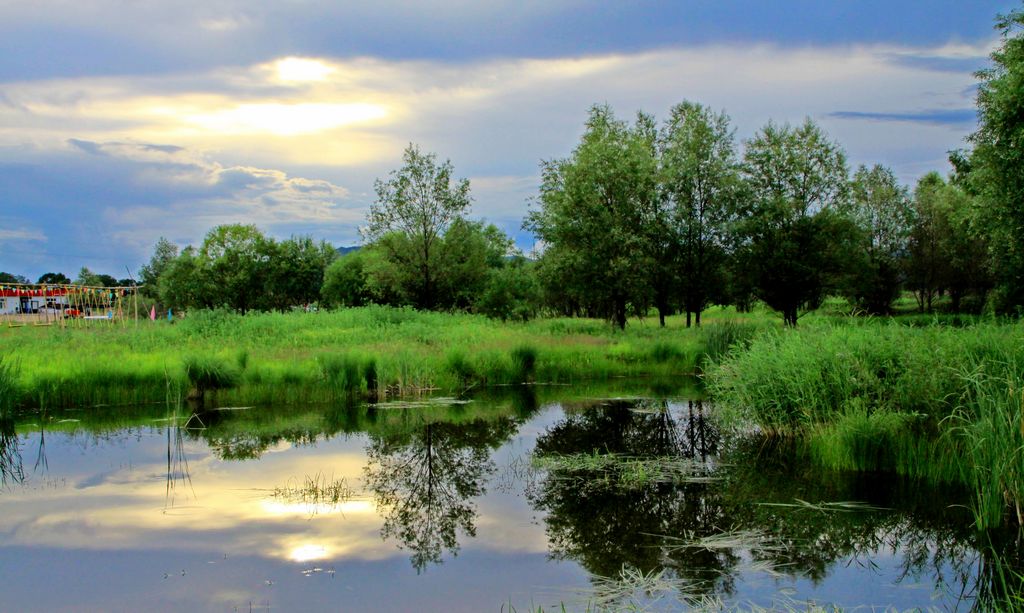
(310, 357)
(937, 402)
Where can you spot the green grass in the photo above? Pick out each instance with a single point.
(319, 357)
(941, 403)
(8, 386)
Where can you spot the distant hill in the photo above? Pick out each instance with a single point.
(345, 250)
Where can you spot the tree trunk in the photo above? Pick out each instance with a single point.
(620, 314)
(687, 318)
(789, 317)
(697, 319)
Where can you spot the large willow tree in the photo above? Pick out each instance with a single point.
(415, 208)
(796, 178)
(700, 186)
(597, 209)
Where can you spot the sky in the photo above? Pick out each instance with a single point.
(121, 122)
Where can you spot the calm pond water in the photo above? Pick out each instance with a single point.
(539, 497)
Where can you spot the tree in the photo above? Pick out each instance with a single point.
(296, 272)
(149, 275)
(880, 209)
(345, 281)
(236, 258)
(471, 252)
(795, 177)
(88, 277)
(970, 276)
(946, 251)
(597, 210)
(6, 277)
(184, 284)
(928, 264)
(512, 292)
(996, 164)
(700, 183)
(54, 278)
(413, 211)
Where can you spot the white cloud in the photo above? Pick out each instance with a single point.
(8, 235)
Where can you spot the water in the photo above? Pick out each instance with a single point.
(507, 501)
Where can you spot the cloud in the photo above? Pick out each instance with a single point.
(133, 158)
(8, 235)
(104, 204)
(942, 117)
(51, 38)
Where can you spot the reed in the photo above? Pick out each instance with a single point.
(940, 403)
(9, 392)
(210, 372)
(990, 422)
(341, 373)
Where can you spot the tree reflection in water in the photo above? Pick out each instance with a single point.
(425, 480)
(658, 526)
(11, 468)
(606, 524)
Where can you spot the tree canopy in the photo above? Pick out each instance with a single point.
(597, 207)
(797, 179)
(415, 207)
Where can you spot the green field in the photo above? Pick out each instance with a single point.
(303, 357)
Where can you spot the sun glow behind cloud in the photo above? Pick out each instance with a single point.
(292, 69)
(283, 119)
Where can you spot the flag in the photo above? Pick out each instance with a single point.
(152, 313)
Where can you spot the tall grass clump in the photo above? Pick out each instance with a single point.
(721, 337)
(457, 363)
(524, 363)
(904, 443)
(369, 370)
(663, 351)
(990, 420)
(788, 380)
(341, 373)
(940, 403)
(208, 373)
(9, 391)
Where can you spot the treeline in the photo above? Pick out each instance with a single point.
(673, 216)
(419, 250)
(240, 268)
(85, 277)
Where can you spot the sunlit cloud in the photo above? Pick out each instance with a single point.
(282, 119)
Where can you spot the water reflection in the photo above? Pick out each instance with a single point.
(426, 481)
(644, 485)
(760, 512)
(177, 459)
(12, 469)
(610, 523)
